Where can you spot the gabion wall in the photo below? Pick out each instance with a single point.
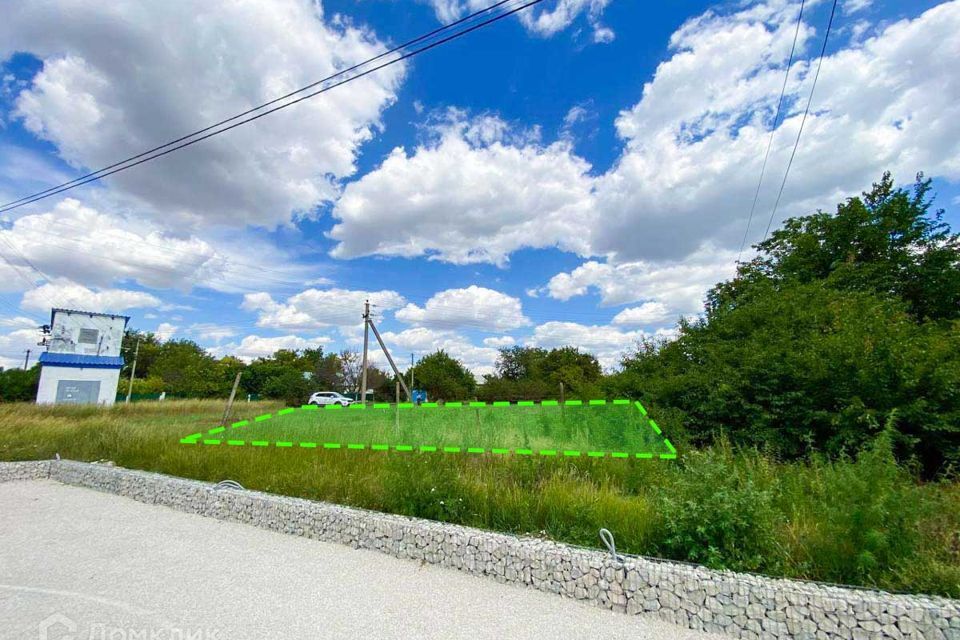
(739, 605)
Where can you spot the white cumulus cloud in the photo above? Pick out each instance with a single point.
(67, 294)
(121, 77)
(470, 308)
(76, 241)
(476, 193)
(499, 342)
(315, 308)
(672, 288)
(646, 314)
(165, 331)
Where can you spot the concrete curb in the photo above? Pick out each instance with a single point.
(741, 605)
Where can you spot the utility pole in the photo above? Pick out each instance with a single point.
(411, 371)
(366, 341)
(26, 360)
(133, 370)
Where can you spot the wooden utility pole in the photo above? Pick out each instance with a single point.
(133, 370)
(26, 360)
(563, 409)
(233, 394)
(366, 341)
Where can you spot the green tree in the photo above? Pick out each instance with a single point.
(579, 372)
(148, 352)
(520, 363)
(888, 242)
(327, 375)
(288, 385)
(17, 385)
(831, 330)
(443, 377)
(533, 373)
(187, 369)
(263, 374)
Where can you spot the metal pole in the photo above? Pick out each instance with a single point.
(133, 370)
(233, 393)
(366, 341)
(26, 360)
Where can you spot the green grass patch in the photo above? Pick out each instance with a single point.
(596, 429)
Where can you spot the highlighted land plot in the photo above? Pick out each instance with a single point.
(573, 429)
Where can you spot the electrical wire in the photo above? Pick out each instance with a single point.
(773, 129)
(803, 120)
(186, 141)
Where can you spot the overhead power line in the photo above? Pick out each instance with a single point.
(240, 119)
(823, 49)
(773, 130)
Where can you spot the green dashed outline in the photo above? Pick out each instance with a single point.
(205, 439)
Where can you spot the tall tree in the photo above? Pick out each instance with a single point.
(889, 242)
(443, 377)
(187, 369)
(146, 355)
(351, 365)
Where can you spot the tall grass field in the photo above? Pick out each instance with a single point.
(597, 429)
(862, 520)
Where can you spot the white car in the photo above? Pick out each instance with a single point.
(322, 398)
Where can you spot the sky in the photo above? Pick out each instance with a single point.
(578, 174)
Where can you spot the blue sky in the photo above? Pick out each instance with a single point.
(578, 176)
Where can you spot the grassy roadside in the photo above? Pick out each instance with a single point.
(861, 521)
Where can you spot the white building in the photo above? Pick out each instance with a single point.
(82, 362)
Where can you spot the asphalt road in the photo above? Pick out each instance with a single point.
(95, 565)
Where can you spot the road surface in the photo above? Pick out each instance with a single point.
(75, 563)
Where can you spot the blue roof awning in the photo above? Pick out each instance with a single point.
(50, 359)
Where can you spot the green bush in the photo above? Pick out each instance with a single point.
(719, 509)
(863, 519)
(288, 385)
(17, 385)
